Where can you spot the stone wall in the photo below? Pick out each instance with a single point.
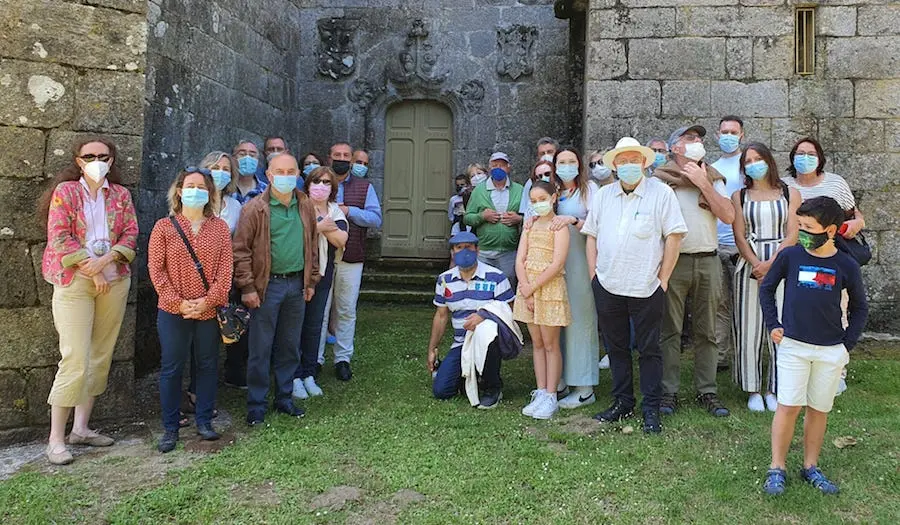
(67, 69)
(503, 95)
(217, 73)
(653, 65)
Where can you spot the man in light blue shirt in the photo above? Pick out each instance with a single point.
(730, 136)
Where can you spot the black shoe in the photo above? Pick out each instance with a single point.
(168, 441)
(721, 367)
(290, 409)
(617, 412)
(207, 433)
(668, 404)
(239, 382)
(490, 399)
(651, 422)
(342, 371)
(713, 405)
(255, 419)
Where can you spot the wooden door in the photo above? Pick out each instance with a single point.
(417, 180)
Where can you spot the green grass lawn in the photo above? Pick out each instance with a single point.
(383, 432)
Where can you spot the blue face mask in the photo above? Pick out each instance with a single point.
(729, 143)
(659, 160)
(284, 183)
(498, 174)
(630, 173)
(566, 172)
(465, 258)
(806, 163)
(309, 168)
(221, 178)
(194, 197)
(756, 170)
(247, 165)
(359, 170)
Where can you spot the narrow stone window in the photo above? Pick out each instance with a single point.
(805, 40)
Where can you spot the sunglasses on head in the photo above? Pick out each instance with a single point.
(90, 157)
(195, 169)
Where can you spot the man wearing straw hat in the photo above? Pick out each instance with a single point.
(634, 231)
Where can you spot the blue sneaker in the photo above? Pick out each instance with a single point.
(814, 477)
(330, 339)
(776, 478)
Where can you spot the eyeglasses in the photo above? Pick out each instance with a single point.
(195, 169)
(90, 157)
(593, 164)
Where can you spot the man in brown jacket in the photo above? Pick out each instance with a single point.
(276, 268)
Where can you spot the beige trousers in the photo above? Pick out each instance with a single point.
(88, 326)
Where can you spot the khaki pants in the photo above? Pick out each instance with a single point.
(701, 278)
(88, 326)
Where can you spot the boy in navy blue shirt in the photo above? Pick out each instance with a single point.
(812, 343)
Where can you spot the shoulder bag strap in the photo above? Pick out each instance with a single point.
(191, 251)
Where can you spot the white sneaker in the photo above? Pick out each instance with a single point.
(299, 390)
(578, 398)
(755, 403)
(309, 383)
(842, 386)
(604, 363)
(536, 396)
(771, 402)
(547, 406)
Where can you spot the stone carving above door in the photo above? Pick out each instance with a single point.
(363, 93)
(516, 57)
(416, 66)
(337, 52)
(471, 94)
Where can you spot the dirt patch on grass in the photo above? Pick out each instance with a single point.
(336, 498)
(579, 424)
(386, 511)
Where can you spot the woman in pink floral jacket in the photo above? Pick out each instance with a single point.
(91, 238)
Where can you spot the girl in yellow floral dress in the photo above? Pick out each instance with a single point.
(541, 299)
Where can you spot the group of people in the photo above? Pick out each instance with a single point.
(607, 247)
(612, 246)
(281, 236)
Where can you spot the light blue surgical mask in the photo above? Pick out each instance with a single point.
(309, 168)
(567, 172)
(247, 165)
(221, 178)
(729, 143)
(630, 173)
(756, 170)
(806, 163)
(284, 183)
(194, 197)
(359, 170)
(659, 160)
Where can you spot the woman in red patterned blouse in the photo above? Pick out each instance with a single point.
(91, 236)
(187, 307)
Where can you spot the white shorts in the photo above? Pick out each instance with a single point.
(808, 375)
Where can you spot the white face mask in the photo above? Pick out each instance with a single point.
(478, 178)
(547, 158)
(694, 151)
(96, 170)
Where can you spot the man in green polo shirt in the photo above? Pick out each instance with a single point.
(493, 211)
(276, 260)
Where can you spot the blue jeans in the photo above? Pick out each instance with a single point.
(312, 327)
(448, 380)
(177, 336)
(275, 342)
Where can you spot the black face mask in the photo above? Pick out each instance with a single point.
(812, 241)
(341, 167)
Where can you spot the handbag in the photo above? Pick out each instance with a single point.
(856, 247)
(233, 318)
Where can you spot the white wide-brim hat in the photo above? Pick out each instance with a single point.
(628, 144)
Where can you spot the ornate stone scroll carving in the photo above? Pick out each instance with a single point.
(416, 66)
(516, 57)
(363, 93)
(336, 55)
(471, 94)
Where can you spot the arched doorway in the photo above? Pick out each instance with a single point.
(418, 166)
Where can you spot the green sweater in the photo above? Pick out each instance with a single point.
(496, 236)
